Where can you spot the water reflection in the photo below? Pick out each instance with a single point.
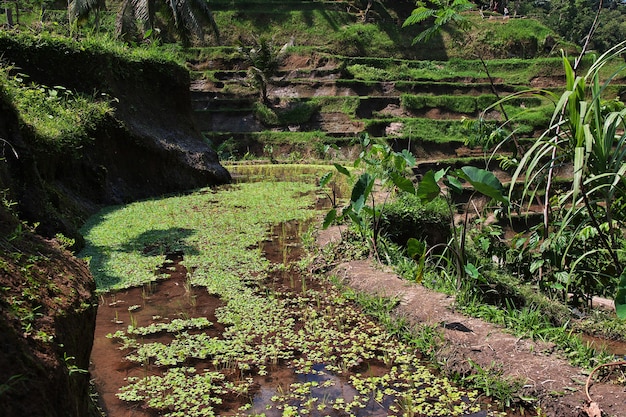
(328, 388)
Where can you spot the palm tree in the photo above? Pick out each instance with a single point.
(443, 13)
(185, 15)
(263, 61)
(80, 9)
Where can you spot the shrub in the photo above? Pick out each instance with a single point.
(407, 218)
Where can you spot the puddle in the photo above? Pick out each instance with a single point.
(613, 347)
(300, 384)
(327, 388)
(158, 302)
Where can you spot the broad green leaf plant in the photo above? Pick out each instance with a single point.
(384, 168)
(586, 133)
(389, 171)
(475, 180)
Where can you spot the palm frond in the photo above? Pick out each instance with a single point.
(124, 20)
(81, 8)
(188, 19)
(418, 16)
(461, 5)
(444, 16)
(203, 7)
(426, 35)
(143, 10)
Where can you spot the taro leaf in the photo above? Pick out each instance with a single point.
(329, 219)
(402, 183)
(439, 174)
(399, 162)
(342, 169)
(416, 249)
(483, 181)
(428, 188)
(361, 191)
(620, 297)
(325, 178)
(472, 271)
(454, 184)
(403, 159)
(408, 157)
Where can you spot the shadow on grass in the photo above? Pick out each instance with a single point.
(104, 261)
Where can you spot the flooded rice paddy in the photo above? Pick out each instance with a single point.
(161, 350)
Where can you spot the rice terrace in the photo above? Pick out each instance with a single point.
(312, 208)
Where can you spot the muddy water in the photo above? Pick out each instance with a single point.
(159, 302)
(613, 347)
(284, 248)
(173, 298)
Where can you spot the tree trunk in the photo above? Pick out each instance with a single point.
(9, 14)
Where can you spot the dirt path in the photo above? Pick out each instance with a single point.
(548, 377)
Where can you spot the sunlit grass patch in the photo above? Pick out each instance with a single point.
(217, 232)
(60, 118)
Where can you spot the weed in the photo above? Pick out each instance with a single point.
(491, 382)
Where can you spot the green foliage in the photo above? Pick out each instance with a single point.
(493, 384)
(426, 130)
(477, 181)
(359, 39)
(62, 120)
(572, 20)
(407, 217)
(117, 238)
(442, 13)
(263, 60)
(459, 104)
(295, 112)
(586, 133)
(384, 168)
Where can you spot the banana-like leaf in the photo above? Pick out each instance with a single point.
(402, 183)
(428, 188)
(484, 182)
(325, 179)
(361, 191)
(454, 184)
(329, 219)
(342, 170)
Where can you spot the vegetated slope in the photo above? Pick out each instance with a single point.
(327, 92)
(145, 147)
(47, 312)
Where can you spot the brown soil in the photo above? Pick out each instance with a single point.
(547, 376)
(46, 308)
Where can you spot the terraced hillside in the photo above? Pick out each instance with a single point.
(319, 99)
(334, 82)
